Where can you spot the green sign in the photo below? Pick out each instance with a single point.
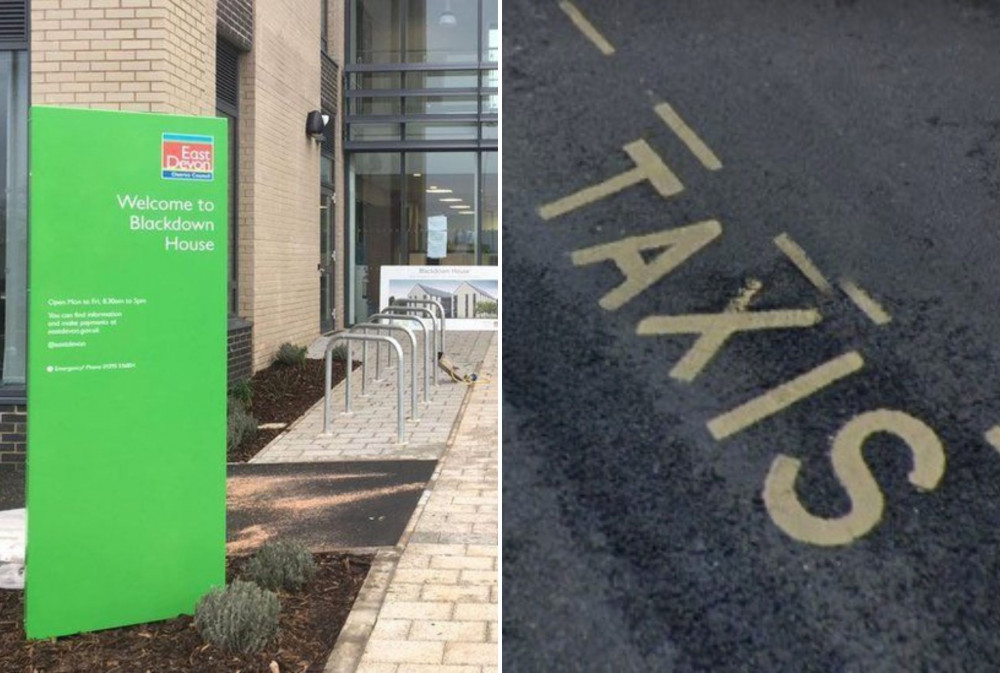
(126, 367)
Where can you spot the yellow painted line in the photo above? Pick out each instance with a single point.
(848, 461)
(649, 166)
(742, 301)
(993, 437)
(687, 135)
(801, 260)
(864, 301)
(784, 396)
(586, 27)
(715, 329)
(677, 246)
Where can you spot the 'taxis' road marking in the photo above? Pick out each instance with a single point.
(864, 301)
(993, 437)
(697, 146)
(784, 396)
(586, 27)
(801, 260)
(649, 166)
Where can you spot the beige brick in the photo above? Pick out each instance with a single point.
(436, 668)
(462, 562)
(418, 575)
(418, 610)
(476, 611)
(455, 592)
(471, 653)
(405, 651)
(473, 632)
(391, 629)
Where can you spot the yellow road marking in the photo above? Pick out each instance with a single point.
(627, 255)
(715, 330)
(801, 260)
(867, 501)
(864, 301)
(993, 437)
(586, 27)
(649, 166)
(694, 143)
(785, 395)
(746, 295)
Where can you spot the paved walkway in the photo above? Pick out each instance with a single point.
(431, 604)
(369, 432)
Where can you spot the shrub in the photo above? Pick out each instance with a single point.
(290, 355)
(242, 391)
(281, 565)
(486, 309)
(242, 618)
(241, 424)
(340, 351)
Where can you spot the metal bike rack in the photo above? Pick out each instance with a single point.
(395, 310)
(427, 344)
(427, 302)
(414, 415)
(327, 402)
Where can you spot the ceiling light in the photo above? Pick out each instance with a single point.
(462, 207)
(451, 200)
(417, 175)
(447, 17)
(435, 190)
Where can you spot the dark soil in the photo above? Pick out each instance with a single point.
(310, 623)
(281, 394)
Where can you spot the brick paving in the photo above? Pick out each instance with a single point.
(431, 603)
(369, 432)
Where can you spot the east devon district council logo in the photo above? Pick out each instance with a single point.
(188, 157)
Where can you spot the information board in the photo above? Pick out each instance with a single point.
(126, 367)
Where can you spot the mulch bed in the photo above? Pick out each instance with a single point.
(310, 623)
(281, 394)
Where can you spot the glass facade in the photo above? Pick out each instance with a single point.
(422, 113)
(14, 74)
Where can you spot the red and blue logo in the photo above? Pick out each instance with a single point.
(188, 157)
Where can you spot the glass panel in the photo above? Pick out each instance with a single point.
(326, 170)
(376, 80)
(437, 105)
(491, 104)
(442, 31)
(490, 131)
(441, 131)
(376, 105)
(377, 31)
(376, 199)
(488, 238)
(374, 131)
(442, 79)
(491, 34)
(441, 194)
(13, 210)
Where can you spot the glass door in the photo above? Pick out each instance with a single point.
(327, 262)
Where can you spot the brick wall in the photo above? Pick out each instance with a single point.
(145, 55)
(240, 350)
(235, 22)
(280, 286)
(13, 428)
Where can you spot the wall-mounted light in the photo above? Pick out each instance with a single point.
(316, 122)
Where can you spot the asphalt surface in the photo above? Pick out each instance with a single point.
(869, 132)
(326, 506)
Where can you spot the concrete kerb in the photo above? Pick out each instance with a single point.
(353, 639)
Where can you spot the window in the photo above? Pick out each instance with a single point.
(227, 105)
(13, 211)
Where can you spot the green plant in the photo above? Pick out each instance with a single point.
(241, 424)
(290, 355)
(339, 351)
(486, 309)
(281, 565)
(242, 618)
(242, 391)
